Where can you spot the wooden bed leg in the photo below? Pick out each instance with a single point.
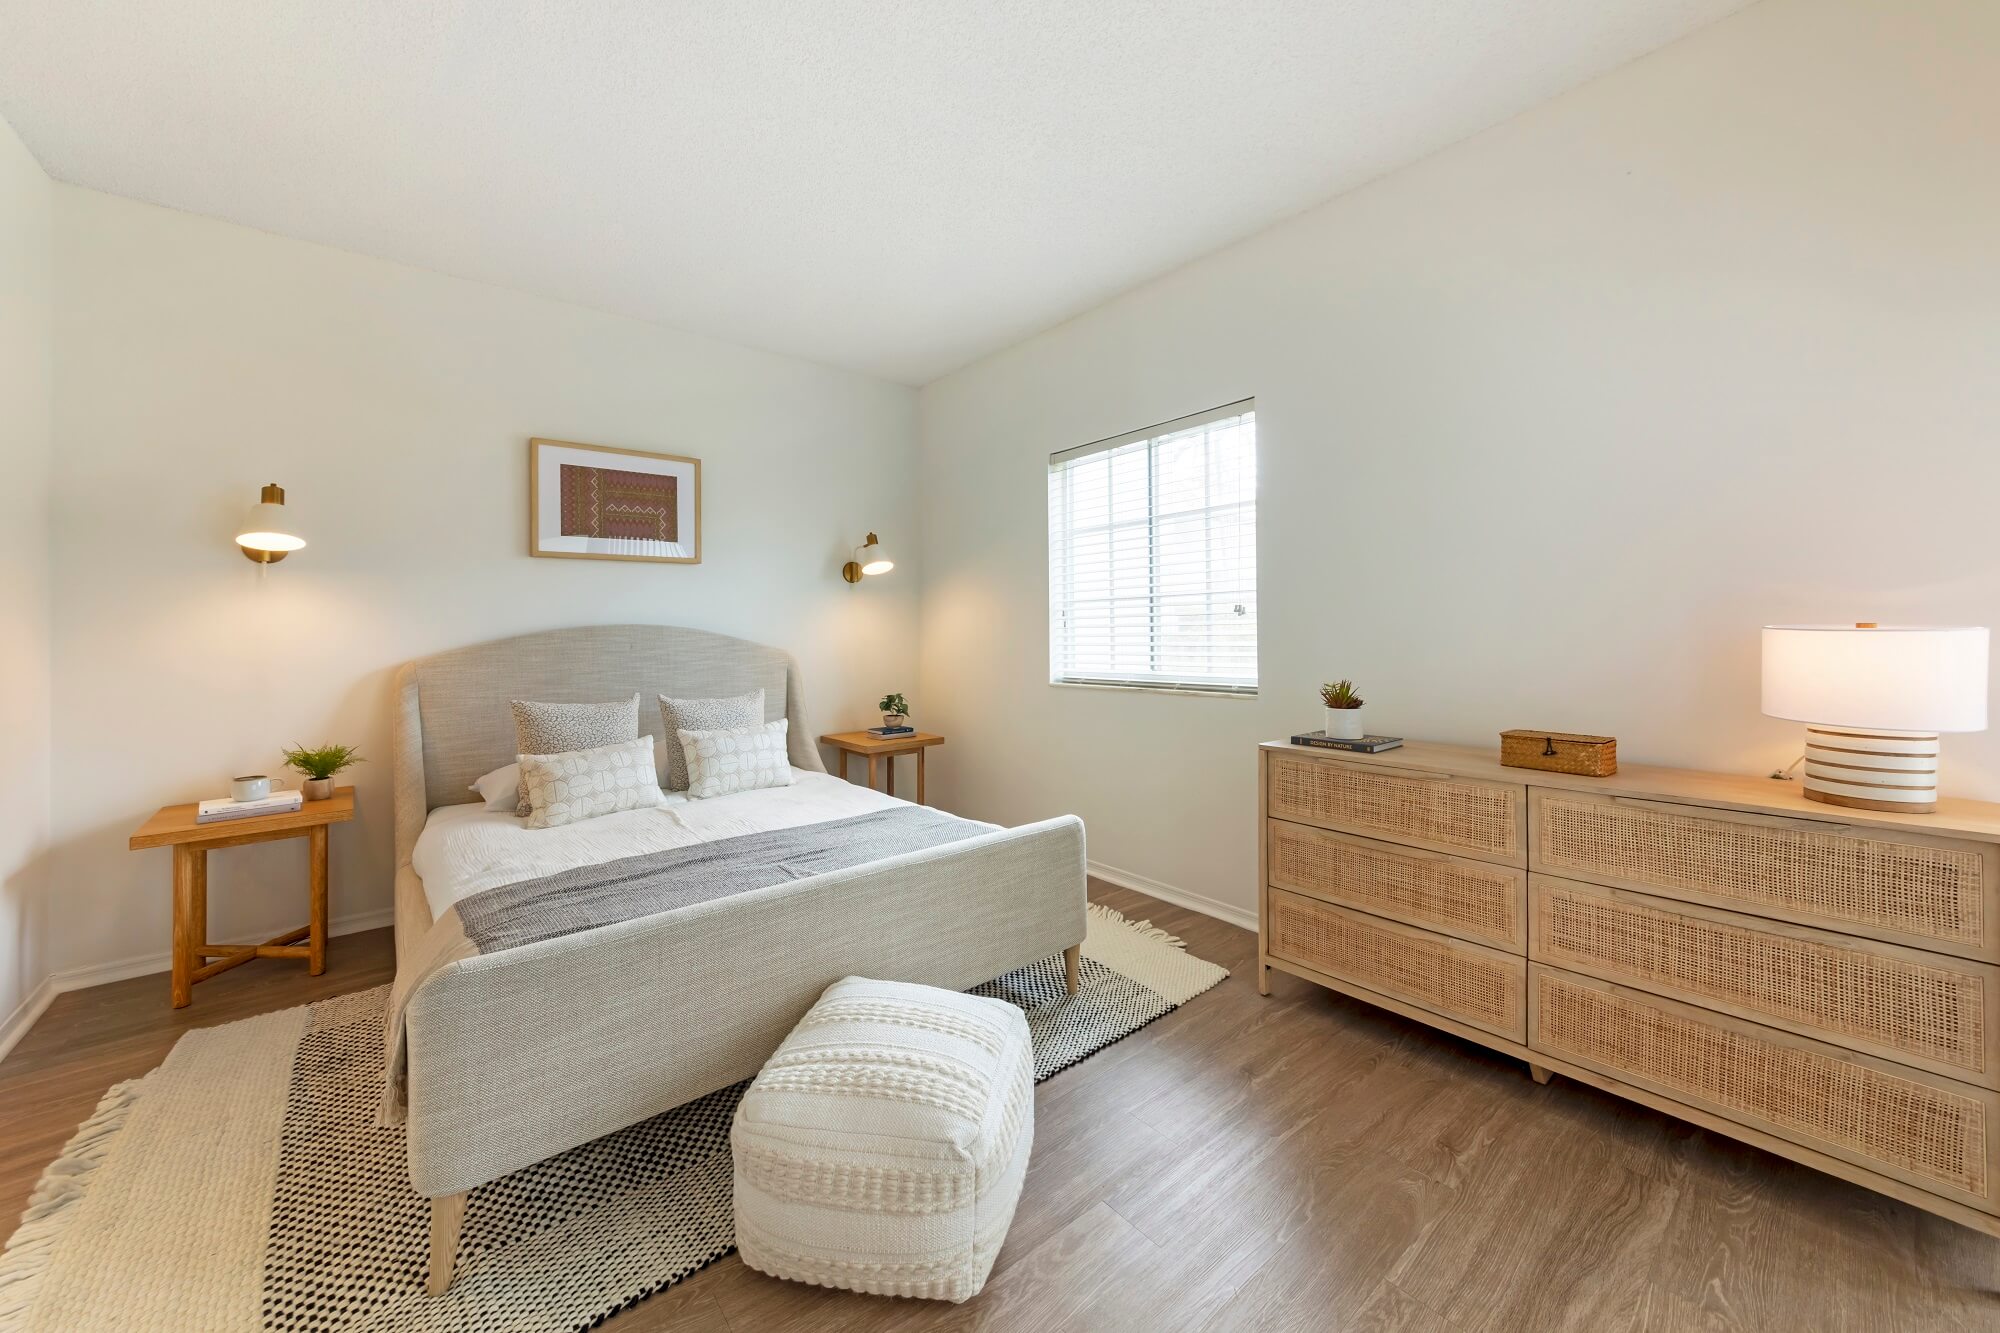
(1072, 968)
(447, 1217)
(1540, 1074)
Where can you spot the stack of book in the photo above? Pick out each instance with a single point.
(222, 808)
(1360, 744)
(891, 731)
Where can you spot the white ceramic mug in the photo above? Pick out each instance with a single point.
(255, 787)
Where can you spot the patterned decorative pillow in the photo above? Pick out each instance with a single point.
(563, 728)
(583, 784)
(738, 710)
(742, 759)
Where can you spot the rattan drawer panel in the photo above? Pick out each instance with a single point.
(1481, 987)
(1413, 806)
(1927, 1009)
(1472, 900)
(1922, 891)
(1927, 1130)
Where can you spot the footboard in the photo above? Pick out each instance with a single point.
(517, 1056)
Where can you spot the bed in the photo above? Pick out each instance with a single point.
(502, 1058)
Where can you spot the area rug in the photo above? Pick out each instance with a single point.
(244, 1184)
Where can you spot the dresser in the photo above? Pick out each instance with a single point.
(1824, 984)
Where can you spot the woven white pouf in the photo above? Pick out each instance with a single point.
(882, 1148)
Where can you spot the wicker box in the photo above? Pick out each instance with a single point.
(1560, 752)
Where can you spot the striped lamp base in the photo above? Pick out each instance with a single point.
(1872, 770)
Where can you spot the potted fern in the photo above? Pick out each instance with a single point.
(317, 766)
(1343, 710)
(895, 710)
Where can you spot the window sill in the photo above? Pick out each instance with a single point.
(1185, 692)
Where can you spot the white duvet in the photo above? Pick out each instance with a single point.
(465, 849)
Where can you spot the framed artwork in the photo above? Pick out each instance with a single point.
(593, 502)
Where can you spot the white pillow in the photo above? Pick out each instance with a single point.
(500, 789)
(738, 759)
(584, 784)
(737, 710)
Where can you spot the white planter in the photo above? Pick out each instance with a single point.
(1344, 724)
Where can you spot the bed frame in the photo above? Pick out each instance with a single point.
(519, 1055)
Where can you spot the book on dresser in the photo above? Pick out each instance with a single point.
(1358, 744)
(1820, 983)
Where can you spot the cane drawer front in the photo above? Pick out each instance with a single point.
(1920, 1128)
(1926, 1009)
(1416, 807)
(1454, 895)
(1911, 889)
(1481, 987)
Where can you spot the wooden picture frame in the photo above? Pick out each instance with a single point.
(656, 518)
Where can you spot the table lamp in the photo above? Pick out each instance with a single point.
(1874, 698)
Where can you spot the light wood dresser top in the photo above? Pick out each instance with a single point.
(1956, 817)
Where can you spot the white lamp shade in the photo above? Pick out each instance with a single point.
(873, 559)
(267, 527)
(1886, 678)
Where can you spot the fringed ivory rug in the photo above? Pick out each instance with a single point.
(244, 1183)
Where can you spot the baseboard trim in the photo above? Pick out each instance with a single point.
(124, 969)
(25, 1013)
(1194, 902)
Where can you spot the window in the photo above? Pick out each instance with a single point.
(1153, 556)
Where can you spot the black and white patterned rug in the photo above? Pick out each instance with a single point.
(314, 1227)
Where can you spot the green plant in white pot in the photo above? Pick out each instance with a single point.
(1343, 710)
(318, 764)
(895, 710)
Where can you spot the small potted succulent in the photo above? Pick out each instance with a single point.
(895, 710)
(1343, 710)
(318, 765)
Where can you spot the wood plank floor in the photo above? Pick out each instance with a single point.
(1302, 1162)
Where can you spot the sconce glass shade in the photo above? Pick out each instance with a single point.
(869, 558)
(1881, 677)
(266, 533)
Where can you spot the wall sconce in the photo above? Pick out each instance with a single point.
(266, 533)
(869, 558)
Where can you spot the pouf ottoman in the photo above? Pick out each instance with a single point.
(882, 1148)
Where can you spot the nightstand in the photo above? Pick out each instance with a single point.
(174, 826)
(875, 748)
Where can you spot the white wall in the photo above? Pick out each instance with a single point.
(1550, 423)
(197, 360)
(24, 576)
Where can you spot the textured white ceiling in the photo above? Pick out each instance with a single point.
(894, 187)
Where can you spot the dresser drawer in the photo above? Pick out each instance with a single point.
(1472, 900)
(1407, 805)
(1925, 1009)
(1480, 987)
(1929, 892)
(1929, 1131)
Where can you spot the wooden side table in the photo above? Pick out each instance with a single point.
(174, 826)
(877, 748)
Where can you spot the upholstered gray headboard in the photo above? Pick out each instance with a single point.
(453, 723)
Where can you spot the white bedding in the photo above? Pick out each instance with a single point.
(467, 848)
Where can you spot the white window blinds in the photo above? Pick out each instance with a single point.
(1153, 556)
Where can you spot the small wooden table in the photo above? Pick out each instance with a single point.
(877, 748)
(174, 826)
